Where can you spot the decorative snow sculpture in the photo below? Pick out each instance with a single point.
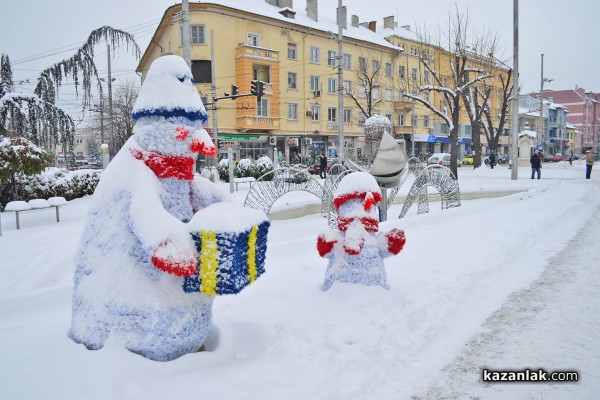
(356, 253)
(159, 242)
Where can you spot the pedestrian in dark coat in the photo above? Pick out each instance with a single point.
(322, 166)
(536, 165)
(492, 159)
(589, 163)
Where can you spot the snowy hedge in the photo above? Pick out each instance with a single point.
(52, 182)
(245, 168)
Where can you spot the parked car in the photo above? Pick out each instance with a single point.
(441, 159)
(503, 159)
(558, 157)
(468, 160)
(548, 158)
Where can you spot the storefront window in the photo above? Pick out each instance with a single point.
(253, 150)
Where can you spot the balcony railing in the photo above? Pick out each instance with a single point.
(403, 105)
(258, 122)
(244, 50)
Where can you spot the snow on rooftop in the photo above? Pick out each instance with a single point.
(327, 21)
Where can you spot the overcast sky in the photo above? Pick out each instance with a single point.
(37, 33)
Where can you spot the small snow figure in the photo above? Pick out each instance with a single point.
(154, 229)
(356, 253)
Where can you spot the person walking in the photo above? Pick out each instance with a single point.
(536, 164)
(589, 163)
(571, 157)
(492, 159)
(322, 166)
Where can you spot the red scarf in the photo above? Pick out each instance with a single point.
(181, 168)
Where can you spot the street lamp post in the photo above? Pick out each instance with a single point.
(542, 130)
(109, 81)
(515, 103)
(340, 83)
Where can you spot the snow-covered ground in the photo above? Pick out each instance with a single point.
(500, 283)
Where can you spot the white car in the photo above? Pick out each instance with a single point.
(441, 159)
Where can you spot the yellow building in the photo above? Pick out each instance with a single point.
(296, 54)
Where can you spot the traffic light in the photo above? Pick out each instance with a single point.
(257, 88)
(260, 88)
(234, 90)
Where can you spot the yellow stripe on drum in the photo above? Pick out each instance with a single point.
(252, 253)
(208, 262)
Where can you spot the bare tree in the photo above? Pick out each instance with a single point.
(492, 131)
(368, 78)
(464, 73)
(122, 124)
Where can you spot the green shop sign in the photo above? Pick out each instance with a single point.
(238, 136)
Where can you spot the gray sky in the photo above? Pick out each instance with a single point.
(37, 33)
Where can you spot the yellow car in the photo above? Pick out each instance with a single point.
(468, 160)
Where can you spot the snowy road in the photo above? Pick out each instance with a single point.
(553, 325)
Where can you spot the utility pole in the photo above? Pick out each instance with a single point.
(110, 104)
(340, 83)
(542, 132)
(214, 92)
(185, 36)
(515, 102)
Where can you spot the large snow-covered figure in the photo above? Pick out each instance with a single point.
(356, 253)
(154, 229)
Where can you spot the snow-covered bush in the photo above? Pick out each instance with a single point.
(245, 168)
(53, 182)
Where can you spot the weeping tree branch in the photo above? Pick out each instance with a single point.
(37, 117)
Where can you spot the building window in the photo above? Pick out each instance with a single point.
(201, 71)
(315, 83)
(332, 58)
(426, 96)
(292, 80)
(389, 94)
(413, 74)
(401, 94)
(347, 61)
(413, 51)
(79, 141)
(331, 114)
(196, 34)
(292, 111)
(331, 85)
(362, 91)
(376, 92)
(362, 63)
(315, 55)
(402, 72)
(347, 115)
(292, 51)
(401, 119)
(426, 121)
(253, 39)
(389, 117)
(426, 77)
(388, 70)
(361, 120)
(262, 108)
(376, 65)
(252, 150)
(415, 121)
(315, 112)
(347, 87)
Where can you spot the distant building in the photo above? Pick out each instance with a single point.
(295, 52)
(584, 112)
